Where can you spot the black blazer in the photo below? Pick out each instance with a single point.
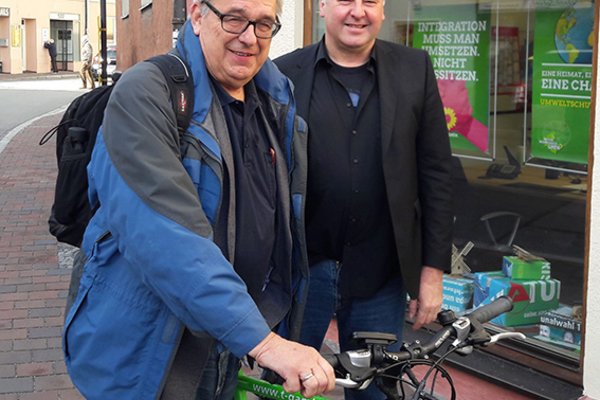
(415, 151)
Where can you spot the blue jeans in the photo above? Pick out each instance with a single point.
(219, 378)
(383, 312)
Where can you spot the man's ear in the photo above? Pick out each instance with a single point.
(321, 6)
(196, 17)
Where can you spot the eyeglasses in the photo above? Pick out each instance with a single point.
(263, 29)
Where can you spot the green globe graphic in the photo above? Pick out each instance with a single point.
(555, 136)
(573, 35)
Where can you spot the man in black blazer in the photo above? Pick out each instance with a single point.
(379, 202)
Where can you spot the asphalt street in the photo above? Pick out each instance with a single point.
(23, 101)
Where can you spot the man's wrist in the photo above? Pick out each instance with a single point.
(263, 346)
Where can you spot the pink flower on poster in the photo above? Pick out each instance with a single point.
(459, 113)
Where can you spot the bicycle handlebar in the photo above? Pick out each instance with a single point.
(356, 366)
(332, 359)
(490, 311)
(476, 317)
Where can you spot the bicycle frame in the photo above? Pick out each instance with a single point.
(265, 390)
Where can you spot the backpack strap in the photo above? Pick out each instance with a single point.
(181, 86)
(48, 135)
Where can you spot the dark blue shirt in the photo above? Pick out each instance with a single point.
(255, 189)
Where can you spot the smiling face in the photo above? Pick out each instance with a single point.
(351, 27)
(233, 59)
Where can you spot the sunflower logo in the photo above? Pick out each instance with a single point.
(450, 117)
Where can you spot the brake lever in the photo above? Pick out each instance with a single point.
(506, 335)
(350, 384)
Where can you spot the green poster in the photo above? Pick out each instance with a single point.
(457, 38)
(562, 81)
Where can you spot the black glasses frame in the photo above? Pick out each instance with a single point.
(276, 26)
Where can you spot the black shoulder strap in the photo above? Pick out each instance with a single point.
(181, 86)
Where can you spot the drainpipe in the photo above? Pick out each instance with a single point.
(85, 16)
(179, 16)
(103, 41)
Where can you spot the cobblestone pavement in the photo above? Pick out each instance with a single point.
(32, 284)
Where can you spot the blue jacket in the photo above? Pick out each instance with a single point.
(153, 267)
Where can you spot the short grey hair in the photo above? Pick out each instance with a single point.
(278, 7)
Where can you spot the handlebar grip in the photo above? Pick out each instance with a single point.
(490, 311)
(331, 359)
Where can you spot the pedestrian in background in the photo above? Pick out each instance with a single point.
(86, 63)
(379, 200)
(51, 46)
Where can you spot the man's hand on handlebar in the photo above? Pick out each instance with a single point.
(302, 367)
(425, 309)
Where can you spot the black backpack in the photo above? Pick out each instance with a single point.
(75, 139)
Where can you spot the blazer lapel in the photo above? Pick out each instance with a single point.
(389, 93)
(304, 78)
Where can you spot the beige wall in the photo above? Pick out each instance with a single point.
(5, 34)
(292, 30)
(29, 21)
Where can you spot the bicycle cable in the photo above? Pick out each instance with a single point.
(436, 366)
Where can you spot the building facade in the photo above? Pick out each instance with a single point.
(26, 25)
(137, 25)
(519, 84)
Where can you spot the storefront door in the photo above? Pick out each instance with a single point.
(63, 32)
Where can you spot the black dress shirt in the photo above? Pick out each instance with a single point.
(348, 216)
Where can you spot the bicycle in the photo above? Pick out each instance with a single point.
(395, 372)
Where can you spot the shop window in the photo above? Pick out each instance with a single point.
(515, 80)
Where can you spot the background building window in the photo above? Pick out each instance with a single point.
(145, 3)
(124, 8)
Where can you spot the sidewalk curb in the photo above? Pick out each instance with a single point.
(27, 76)
(5, 140)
